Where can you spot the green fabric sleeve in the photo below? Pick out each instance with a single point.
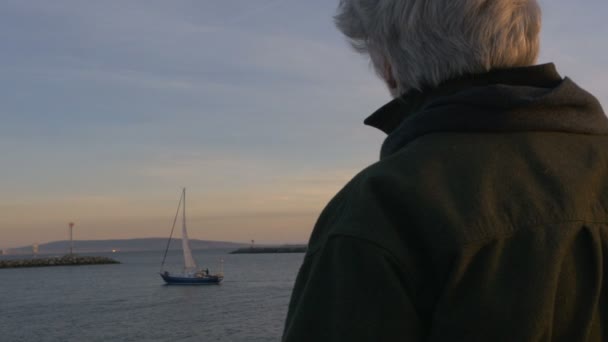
(351, 290)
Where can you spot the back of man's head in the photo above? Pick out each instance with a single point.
(418, 44)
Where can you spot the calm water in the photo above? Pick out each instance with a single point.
(128, 302)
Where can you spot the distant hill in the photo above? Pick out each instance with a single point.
(130, 245)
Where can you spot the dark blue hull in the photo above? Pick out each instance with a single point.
(184, 280)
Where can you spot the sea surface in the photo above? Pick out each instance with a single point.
(129, 302)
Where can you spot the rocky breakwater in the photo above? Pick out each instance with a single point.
(66, 260)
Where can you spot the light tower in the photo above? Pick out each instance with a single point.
(71, 224)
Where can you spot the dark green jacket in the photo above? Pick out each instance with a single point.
(486, 219)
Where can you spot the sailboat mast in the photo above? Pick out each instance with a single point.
(162, 264)
(184, 210)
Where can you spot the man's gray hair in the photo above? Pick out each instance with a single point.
(426, 42)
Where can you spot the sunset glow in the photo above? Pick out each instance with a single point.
(109, 108)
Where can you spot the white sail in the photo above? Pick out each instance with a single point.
(189, 263)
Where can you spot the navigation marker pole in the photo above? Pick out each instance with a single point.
(71, 224)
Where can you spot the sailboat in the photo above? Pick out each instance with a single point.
(191, 274)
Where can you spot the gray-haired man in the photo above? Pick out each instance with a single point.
(486, 218)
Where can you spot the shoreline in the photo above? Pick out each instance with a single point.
(271, 250)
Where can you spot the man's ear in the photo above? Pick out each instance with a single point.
(388, 76)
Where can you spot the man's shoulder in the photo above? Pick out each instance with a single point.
(374, 206)
(445, 190)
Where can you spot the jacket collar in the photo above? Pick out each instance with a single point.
(518, 99)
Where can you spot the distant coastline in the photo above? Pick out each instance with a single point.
(122, 245)
(271, 249)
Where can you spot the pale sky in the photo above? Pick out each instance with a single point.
(256, 106)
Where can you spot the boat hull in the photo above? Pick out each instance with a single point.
(185, 280)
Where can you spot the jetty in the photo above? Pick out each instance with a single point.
(271, 249)
(66, 260)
